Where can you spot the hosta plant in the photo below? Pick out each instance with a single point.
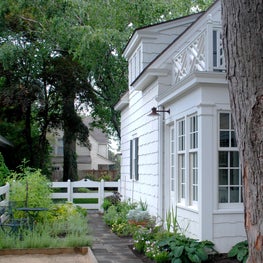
(239, 251)
(185, 250)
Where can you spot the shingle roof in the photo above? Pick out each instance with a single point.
(96, 133)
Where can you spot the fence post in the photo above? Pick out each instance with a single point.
(69, 191)
(7, 193)
(119, 186)
(101, 195)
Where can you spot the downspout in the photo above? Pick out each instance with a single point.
(161, 166)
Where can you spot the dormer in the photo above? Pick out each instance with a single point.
(147, 43)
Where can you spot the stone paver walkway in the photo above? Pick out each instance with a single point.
(107, 247)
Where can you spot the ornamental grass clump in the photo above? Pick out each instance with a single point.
(138, 217)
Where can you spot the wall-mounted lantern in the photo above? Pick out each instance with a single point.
(155, 112)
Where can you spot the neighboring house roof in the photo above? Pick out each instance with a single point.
(4, 142)
(96, 133)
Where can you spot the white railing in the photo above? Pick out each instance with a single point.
(204, 53)
(85, 189)
(68, 191)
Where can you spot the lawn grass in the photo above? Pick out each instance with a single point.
(85, 200)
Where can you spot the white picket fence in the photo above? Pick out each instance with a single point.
(85, 189)
(68, 191)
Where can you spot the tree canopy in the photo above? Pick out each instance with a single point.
(67, 54)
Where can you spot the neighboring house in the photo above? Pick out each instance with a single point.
(186, 160)
(95, 159)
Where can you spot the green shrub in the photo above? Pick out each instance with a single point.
(4, 171)
(153, 251)
(140, 236)
(32, 188)
(123, 229)
(65, 211)
(111, 200)
(118, 213)
(239, 251)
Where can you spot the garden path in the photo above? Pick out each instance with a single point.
(108, 247)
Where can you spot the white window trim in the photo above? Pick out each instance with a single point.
(193, 149)
(172, 160)
(228, 205)
(134, 159)
(181, 152)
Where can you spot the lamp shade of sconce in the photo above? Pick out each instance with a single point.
(155, 112)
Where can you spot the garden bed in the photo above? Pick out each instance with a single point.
(45, 251)
(59, 255)
(220, 258)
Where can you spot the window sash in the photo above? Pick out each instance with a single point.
(182, 177)
(134, 159)
(181, 135)
(193, 132)
(193, 159)
(229, 172)
(172, 160)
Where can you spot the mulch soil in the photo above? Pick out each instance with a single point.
(219, 258)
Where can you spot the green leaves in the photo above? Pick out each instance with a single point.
(93, 33)
(240, 251)
(184, 249)
(177, 251)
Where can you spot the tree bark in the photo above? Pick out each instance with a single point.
(243, 47)
(69, 139)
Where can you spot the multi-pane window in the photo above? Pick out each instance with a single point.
(193, 157)
(193, 132)
(134, 159)
(194, 176)
(135, 65)
(181, 135)
(181, 160)
(227, 136)
(182, 181)
(187, 160)
(172, 160)
(218, 55)
(229, 174)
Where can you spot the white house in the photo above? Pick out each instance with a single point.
(186, 160)
(97, 158)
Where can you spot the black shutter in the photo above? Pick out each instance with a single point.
(131, 159)
(136, 159)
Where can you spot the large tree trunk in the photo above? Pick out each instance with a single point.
(70, 156)
(243, 46)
